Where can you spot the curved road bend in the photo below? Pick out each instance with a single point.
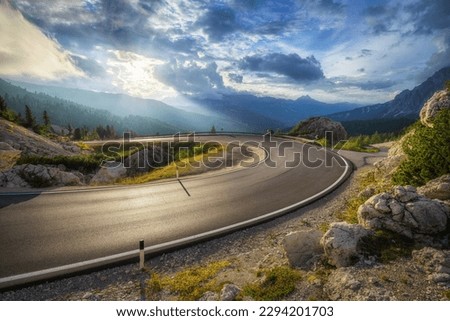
(50, 230)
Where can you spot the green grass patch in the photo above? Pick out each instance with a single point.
(278, 282)
(349, 214)
(82, 163)
(387, 246)
(189, 284)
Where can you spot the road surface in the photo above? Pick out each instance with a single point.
(47, 230)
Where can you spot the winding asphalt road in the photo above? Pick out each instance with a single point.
(50, 229)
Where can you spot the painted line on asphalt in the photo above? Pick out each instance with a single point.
(52, 273)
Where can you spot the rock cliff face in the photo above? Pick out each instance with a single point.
(316, 127)
(439, 101)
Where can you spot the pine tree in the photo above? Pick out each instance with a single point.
(46, 118)
(77, 134)
(213, 130)
(3, 107)
(30, 120)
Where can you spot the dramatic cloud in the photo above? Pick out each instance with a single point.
(368, 50)
(218, 22)
(429, 16)
(135, 74)
(292, 66)
(192, 78)
(26, 51)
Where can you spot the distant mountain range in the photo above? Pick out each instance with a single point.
(280, 112)
(240, 112)
(407, 104)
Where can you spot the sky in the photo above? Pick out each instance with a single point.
(332, 50)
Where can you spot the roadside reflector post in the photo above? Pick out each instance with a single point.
(141, 255)
(178, 175)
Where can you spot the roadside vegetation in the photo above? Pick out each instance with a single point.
(277, 283)
(428, 151)
(189, 284)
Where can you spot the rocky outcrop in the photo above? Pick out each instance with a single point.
(439, 101)
(109, 172)
(29, 175)
(346, 285)
(435, 262)
(385, 168)
(438, 188)
(303, 248)
(404, 212)
(341, 243)
(316, 127)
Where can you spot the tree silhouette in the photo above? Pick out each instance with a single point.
(30, 120)
(3, 106)
(46, 118)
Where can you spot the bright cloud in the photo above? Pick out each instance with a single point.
(134, 74)
(26, 51)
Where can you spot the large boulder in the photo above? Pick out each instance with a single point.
(29, 175)
(439, 101)
(303, 248)
(316, 127)
(341, 243)
(404, 212)
(438, 188)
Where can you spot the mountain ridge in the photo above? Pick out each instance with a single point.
(406, 104)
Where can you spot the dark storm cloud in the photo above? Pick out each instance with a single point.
(218, 22)
(292, 66)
